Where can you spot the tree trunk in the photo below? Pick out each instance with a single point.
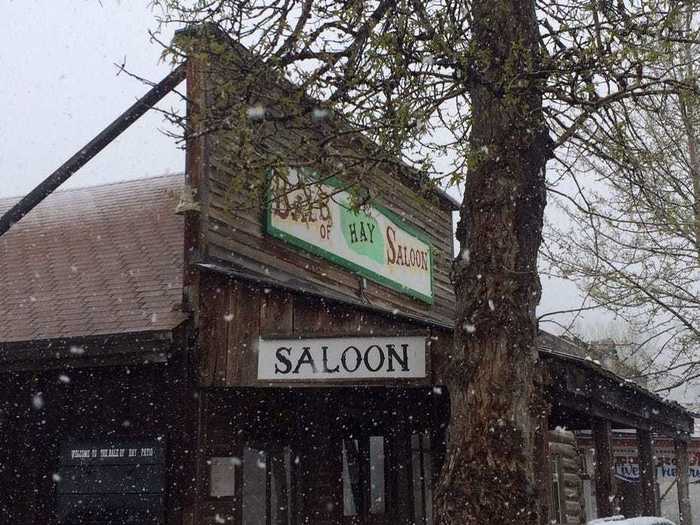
(488, 476)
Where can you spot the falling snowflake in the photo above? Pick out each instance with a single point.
(228, 318)
(38, 401)
(319, 113)
(76, 350)
(63, 378)
(256, 112)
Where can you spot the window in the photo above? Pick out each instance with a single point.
(364, 476)
(376, 475)
(267, 478)
(421, 463)
(261, 480)
(364, 479)
(256, 487)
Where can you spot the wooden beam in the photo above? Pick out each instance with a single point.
(604, 478)
(682, 481)
(647, 472)
(599, 393)
(544, 486)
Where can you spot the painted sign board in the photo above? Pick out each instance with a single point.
(112, 452)
(375, 243)
(627, 464)
(111, 481)
(342, 358)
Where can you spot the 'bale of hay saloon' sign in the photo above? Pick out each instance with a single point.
(317, 215)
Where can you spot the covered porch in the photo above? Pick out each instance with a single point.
(593, 402)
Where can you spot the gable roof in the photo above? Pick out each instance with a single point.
(94, 261)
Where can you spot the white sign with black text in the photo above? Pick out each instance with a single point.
(342, 358)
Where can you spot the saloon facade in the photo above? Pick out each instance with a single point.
(257, 361)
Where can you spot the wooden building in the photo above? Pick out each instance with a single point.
(625, 446)
(252, 360)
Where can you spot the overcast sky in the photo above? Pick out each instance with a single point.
(60, 88)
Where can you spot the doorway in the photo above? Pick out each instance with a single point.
(342, 460)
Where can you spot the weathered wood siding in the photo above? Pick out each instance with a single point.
(313, 423)
(90, 404)
(232, 179)
(234, 314)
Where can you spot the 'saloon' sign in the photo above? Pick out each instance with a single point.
(342, 358)
(374, 243)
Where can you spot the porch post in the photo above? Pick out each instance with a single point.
(604, 480)
(542, 470)
(647, 472)
(682, 481)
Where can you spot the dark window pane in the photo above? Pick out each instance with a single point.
(376, 474)
(351, 477)
(254, 487)
(280, 467)
(421, 462)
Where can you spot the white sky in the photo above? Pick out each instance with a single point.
(60, 89)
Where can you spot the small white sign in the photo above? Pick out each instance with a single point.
(344, 358)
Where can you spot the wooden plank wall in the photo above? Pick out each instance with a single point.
(234, 314)
(562, 445)
(232, 188)
(312, 422)
(91, 404)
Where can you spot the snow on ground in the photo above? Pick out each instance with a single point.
(621, 520)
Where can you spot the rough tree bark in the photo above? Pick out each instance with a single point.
(488, 475)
